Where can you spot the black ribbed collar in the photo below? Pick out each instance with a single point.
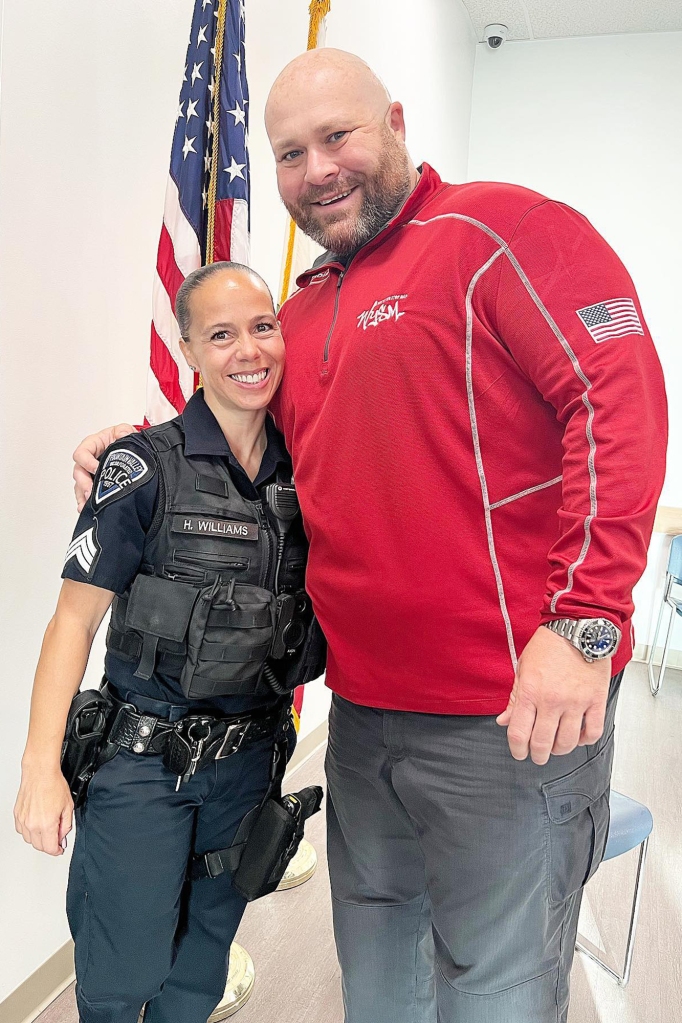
(203, 436)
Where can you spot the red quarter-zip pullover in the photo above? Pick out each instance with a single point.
(476, 415)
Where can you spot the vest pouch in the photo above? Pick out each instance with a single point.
(159, 609)
(228, 638)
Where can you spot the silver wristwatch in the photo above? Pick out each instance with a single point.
(595, 638)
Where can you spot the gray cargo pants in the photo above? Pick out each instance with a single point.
(456, 871)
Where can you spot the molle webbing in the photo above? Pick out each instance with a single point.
(202, 608)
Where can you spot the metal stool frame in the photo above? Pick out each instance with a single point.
(623, 978)
(673, 577)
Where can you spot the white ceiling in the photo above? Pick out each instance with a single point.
(552, 19)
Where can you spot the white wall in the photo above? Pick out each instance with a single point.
(84, 147)
(595, 122)
(89, 93)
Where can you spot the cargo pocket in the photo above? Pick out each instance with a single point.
(578, 811)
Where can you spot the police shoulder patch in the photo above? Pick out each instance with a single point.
(122, 471)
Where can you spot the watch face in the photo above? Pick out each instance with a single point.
(599, 638)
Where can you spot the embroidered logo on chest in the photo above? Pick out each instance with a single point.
(382, 310)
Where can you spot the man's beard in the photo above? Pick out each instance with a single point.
(383, 195)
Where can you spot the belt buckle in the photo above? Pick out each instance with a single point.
(214, 864)
(236, 732)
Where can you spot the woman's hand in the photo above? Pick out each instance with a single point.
(43, 813)
(86, 458)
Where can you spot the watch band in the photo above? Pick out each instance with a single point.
(565, 627)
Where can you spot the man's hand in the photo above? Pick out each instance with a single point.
(86, 458)
(558, 701)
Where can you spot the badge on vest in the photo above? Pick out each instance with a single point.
(123, 470)
(200, 525)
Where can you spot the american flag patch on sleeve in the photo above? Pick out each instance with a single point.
(614, 318)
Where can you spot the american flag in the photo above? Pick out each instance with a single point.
(614, 318)
(206, 213)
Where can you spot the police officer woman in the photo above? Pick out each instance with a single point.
(180, 533)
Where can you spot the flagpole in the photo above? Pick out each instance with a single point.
(318, 11)
(215, 149)
(215, 146)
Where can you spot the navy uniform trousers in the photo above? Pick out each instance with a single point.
(457, 871)
(143, 933)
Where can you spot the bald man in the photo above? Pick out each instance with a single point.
(466, 433)
(476, 416)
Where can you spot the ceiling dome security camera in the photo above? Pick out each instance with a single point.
(495, 35)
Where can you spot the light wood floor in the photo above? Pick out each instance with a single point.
(289, 934)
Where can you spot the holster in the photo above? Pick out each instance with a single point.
(272, 842)
(269, 835)
(87, 726)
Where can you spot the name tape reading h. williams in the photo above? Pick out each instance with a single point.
(202, 526)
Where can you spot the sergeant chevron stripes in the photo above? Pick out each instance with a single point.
(84, 549)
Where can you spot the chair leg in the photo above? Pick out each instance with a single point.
(652, 649)
(656, 681)
(623, 978)
(635, 912)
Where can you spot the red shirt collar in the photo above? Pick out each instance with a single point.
(428, 185)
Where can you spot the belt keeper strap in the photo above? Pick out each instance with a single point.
(144, 733)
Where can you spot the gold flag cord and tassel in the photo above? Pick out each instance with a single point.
(215, 151)
(318, 11)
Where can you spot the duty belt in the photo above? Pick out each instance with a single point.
(196, 740)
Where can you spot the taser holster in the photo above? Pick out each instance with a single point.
(267, 838)
(272, 842)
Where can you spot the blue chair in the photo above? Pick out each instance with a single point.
(631, 825)
(673, 577)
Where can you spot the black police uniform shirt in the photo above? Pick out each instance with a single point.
(106, 549)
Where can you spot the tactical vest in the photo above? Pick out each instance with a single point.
(202, 607)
